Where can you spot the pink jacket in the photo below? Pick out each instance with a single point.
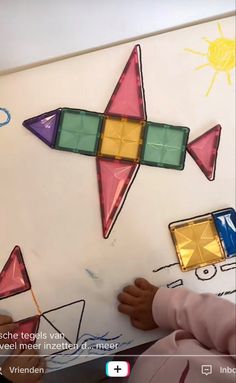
(203, 333)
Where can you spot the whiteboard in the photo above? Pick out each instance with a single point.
(49, 199)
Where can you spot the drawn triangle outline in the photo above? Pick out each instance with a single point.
(49, 338)
(57, 316)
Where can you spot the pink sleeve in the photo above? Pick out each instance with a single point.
(210, 319)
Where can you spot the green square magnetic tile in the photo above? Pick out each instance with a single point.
(164, 145)
(79, 131)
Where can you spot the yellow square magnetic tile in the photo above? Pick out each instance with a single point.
(197, 243)
(113, 128)
(129, 150)
(121, 138)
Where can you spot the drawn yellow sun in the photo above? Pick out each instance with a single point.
(220, 56)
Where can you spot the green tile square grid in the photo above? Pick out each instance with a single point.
(79, 131)
(164, 145)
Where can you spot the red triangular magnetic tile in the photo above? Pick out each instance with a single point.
(14, 278)
(127, 99)
(27, 326)
(114, 178)
(204, 151)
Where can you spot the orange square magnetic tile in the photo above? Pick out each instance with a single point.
(121, 138)
(197, 242)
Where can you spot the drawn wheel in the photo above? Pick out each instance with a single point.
(206, 273)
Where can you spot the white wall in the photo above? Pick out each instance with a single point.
(32, 31)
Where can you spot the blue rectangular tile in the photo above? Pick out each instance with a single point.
(225, 221)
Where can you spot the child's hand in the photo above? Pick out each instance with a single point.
(136, 301)
(6, 325)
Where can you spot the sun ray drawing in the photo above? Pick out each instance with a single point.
(220, 56)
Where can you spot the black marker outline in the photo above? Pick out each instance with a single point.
(205, 267)
(142, 82)
(67, 305)
(79, 324)
(177, 280)
(165, 267)
(222, 267)
(226, 293)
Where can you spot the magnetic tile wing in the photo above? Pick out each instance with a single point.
(14, 278)
(204, 151)
(127, 99)
(114, 180)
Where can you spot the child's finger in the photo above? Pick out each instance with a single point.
(142, 283)
(5, 319)
(132, 290)
(125, 309)
(127, 299)
(136, 323)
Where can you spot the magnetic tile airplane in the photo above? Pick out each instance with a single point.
(121, 138)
